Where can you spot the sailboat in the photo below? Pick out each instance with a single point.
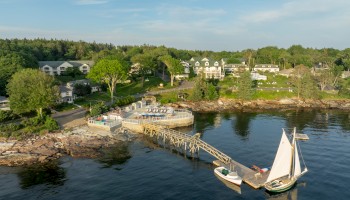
(286, 167)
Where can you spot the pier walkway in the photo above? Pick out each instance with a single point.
(193, 144)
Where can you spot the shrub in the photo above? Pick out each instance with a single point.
(51, 124)
(7, 115)
(124, 101)
(7, 129)
(211, 93)
(98, 109)
(34, 121)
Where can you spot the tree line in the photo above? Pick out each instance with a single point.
(17, 54)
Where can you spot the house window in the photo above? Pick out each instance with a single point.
(216, 64)
(206, 63)
(197, 63)
(67, 94)
(62, 68)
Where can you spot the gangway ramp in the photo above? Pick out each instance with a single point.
(193, 144)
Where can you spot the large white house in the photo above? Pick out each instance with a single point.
(208, 67)
(266, 68)
(58, 67)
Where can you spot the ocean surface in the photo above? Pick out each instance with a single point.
(142, 170)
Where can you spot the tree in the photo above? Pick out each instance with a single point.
(303, 83)
(245, 86)
(109, 72)
(82, 89)
(174, 67)
(198, 89)
(72, 71)
(145, 63)
(210, 92)
(31, 90)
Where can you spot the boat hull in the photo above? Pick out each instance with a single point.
(287, 184)
(235, 179)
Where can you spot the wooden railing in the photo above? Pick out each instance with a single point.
(178, 139)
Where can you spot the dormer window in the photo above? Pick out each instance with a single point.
(197, 63)
(62, 68)
(216, 64)
(46, 68)
(206, 63)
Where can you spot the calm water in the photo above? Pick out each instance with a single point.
(144, 171)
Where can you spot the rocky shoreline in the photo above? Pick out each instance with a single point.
(226, 105)
(80, 141)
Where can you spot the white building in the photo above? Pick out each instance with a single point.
(208, 67)
(58, 67)
(266, 68)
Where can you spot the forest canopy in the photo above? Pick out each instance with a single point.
(17, 54)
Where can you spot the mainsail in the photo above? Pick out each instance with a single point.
(282, 163)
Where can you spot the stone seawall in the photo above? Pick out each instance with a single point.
(173, 123)
(226, 105)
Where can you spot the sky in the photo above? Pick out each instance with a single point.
(218, 25)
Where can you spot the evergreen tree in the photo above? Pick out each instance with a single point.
(245, 86)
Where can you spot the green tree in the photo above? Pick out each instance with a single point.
(210, 92)
(82, 89)
(245, 86)
(72, 71)
(109, 72)
(174, 67)
(303, 82)
(145, 64)
(31, 90)
(198, 89)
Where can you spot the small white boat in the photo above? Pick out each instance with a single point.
(228, 175)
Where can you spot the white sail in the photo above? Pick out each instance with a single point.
(282, 163)
(297, 168)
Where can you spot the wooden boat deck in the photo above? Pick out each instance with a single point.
(249, 176)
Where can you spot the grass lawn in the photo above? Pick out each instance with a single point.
(135, 87)
(273, 95)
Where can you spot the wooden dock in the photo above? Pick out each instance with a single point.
(254, 179)
(193, 144)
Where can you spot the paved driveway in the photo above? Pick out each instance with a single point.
(70, 118)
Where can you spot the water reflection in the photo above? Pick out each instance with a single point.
(232, 186)
(203, 121)
(291, 194)
(50, 173)
(242, 122)
(300, 119)
(115, 155)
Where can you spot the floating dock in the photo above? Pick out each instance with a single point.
(249, 176)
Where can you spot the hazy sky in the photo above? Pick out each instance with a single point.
(184, 24)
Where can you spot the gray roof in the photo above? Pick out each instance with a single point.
(202, 63)
(64, 88)
(75, 63)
